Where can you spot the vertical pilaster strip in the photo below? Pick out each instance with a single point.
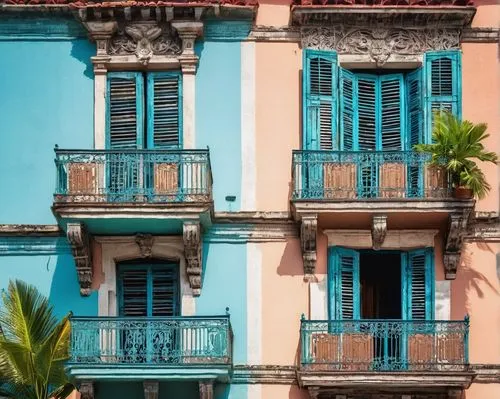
(254, 313)
(188, 109)
(99, 107)
(248, 139)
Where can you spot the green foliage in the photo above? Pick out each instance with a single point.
(33, 346)
(456, 144)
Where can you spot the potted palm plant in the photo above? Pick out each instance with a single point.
(457, 145)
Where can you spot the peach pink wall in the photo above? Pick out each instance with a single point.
(487, 14)
(284, 298)
(277, 121)
(284, 392)
(273, 13)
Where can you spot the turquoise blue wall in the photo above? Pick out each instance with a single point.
(46, 98)
(224, 285)
(55, 277)
(218, 116)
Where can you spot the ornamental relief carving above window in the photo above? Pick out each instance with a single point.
(379, 43)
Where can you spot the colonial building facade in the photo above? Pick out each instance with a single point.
(226, 196)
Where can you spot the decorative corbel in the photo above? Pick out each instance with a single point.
(457, 229)
(151, 389)
(101, 33)
(455, 394)
(188, 32)
(192, 252)
(206, 389)
(379, 230)
(145, 243)
(86, 390)
(79, 240)
(308, 229)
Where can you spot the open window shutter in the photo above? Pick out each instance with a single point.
(320, 87)
(344, 284)
(133, 289)
(124, 105)
(418, 284)
(348, 118)
(367, 112)
(391, 112)
(164, 110)
(442, 85)
(165, 291)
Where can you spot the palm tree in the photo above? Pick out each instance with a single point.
(456, 144)
(33, 346)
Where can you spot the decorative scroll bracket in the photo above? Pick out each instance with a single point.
(79, 240)
(206, 389)
(86, 390)
(379, 230)
(145, 243)
(308, 230)
(151, 389)
(188, 32)
(192, 251)
(457, 229)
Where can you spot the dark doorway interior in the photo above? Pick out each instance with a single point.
(380, 275)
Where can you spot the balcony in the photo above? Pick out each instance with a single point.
(156, 348)
(131, 190)
(376, 355)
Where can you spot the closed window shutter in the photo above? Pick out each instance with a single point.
(414, 106)
(418, 284)
(164, 110)
(165, 295)
(442, 85)
(320, 87)
(367, 112)
(344, 284)
(391, 112)
(133, 292)
(348, 118)
(125, 97)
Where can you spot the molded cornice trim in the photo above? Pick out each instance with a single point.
(11, 246)
(16, 27)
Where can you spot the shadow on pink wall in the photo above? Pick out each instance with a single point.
(291, 263)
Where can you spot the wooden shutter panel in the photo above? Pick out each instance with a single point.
(164, 110)
(165, 294)
(442, 85)
(124, 105)
(133, 292)
(414, 104)
(367, 112)
(391, 112)
(320, 87)
(344, 284)
(418, 283)
(348, 119)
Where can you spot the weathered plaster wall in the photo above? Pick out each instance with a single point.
(487, 14)
(273, 13)
(47, 99)
(218, 116)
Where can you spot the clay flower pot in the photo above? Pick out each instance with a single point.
(462, 192)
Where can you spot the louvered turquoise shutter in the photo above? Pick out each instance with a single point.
(391, 113)
(414, 100)
(368, 115)
(418, 284)
(133, 292)
(165, 290)
(164, 110)
(319, 100)
(348, 110)
(124, 110)
(442, 89)
(344, 287)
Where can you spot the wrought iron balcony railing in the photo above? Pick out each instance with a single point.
(387, 3)
(384, 345)
(128, 176)
(344, 175)
(155, 341)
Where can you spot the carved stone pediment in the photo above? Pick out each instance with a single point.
(79, 240)
(145, 39)
(379, 42)
(192, 250)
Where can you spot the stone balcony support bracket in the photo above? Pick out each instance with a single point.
(206, 389)
(379, 230)
(86, 390)
(79, 240)
(151, 389)
(192, 250)
(308, 231)
(457, 229)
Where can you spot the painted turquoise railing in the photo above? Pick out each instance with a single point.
(385, 345)
(124, 176)
(366, 175)
(160, 341)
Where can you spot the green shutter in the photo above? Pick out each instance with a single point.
(442, 89)
(418, 283)
(165, 291)
(368, 116)
(164, 110)
(124, 110)
(348, 118)
(319, 100)
(344, 284)
(133, 289)
(392, 112)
